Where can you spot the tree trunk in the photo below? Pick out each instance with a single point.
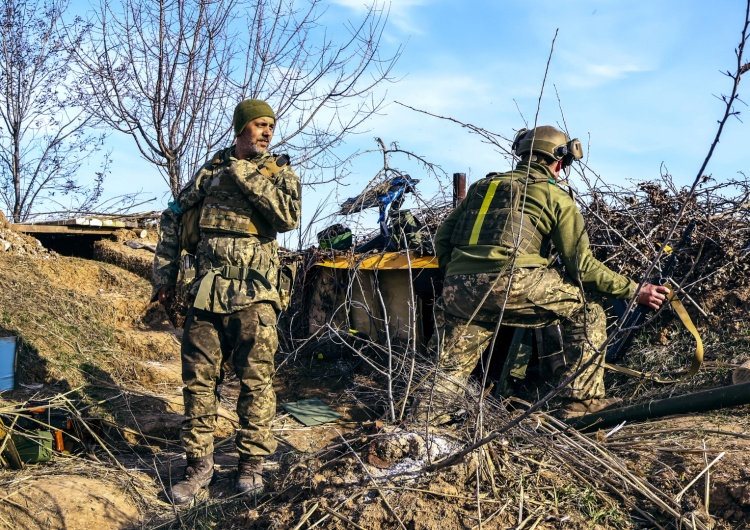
(173, 171)
(16, 178)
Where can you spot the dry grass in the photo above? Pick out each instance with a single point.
(80, 334)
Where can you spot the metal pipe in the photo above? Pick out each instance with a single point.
(716, 398)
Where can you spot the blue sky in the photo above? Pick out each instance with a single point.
(638, 83)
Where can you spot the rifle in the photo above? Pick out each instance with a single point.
(635, 319)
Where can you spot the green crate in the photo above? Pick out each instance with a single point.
(34, 447)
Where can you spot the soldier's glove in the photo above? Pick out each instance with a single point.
(274, 165)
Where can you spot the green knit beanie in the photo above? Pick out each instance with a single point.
(249, 110)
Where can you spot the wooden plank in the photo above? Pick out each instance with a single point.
(64, 229)
(90, 221)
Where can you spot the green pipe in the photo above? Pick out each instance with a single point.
(716, 398)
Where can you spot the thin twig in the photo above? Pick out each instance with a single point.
(375, 484)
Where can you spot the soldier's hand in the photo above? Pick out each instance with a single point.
(165, 295)
(652, 295)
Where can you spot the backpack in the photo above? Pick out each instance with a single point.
(335, 237)
(405, 231)
(190, 230)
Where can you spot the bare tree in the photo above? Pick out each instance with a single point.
(161, 73)
(44, 122)
(324, 90)
(169, 72)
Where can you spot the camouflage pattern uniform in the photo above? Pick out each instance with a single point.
(504, 273)
(538, 297)
(234, 316)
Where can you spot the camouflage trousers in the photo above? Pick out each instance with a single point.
(536, 297)
(249, 340)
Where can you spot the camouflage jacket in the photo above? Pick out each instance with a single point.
(276, 198)
(554, 215)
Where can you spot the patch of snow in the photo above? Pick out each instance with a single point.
(418, 454)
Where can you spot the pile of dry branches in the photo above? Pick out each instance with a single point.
(629, 226)
(533, 469)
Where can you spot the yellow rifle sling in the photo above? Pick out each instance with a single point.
(270, 168)
(266, 171)
(697, 355)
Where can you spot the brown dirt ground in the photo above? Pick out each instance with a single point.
(315, 473)
(136, 260)
(69, 503)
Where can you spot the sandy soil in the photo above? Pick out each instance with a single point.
(326, 474)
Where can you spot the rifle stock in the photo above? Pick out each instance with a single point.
(624, 338)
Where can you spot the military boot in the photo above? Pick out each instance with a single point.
(572, 409)
(197, 475)
(249, 477)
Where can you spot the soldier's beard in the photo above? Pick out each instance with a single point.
(255, 149)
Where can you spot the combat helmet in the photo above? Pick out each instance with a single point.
(548, 141)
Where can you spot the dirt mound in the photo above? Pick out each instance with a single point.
(726, 304)
(19, 244)
(129, 251)
(69, 502)
(88, 339)
(71, 312)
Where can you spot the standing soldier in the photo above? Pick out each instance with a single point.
(491, 250)
(245, 196)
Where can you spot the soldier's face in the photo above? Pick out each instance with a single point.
(256, 136)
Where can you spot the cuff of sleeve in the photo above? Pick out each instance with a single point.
(632, 286)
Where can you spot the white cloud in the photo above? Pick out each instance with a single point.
(594, 74)
(401, 12)
(611, 71)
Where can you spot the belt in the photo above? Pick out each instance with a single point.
(229, 272)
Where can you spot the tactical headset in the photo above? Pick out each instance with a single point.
(548, 141)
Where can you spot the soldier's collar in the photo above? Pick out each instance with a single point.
(534, 167)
